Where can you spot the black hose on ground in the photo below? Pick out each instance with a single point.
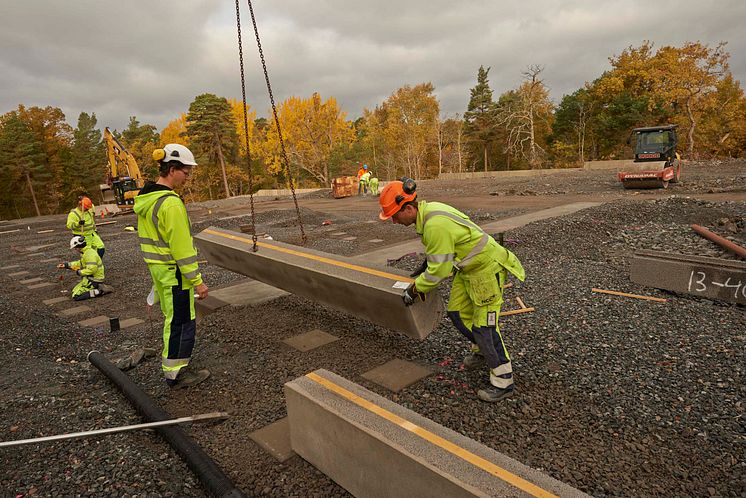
(208, 472)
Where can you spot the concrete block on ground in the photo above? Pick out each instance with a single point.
(18, 273)
(397, 374)
(56, 300)
(36, 249)
(711, 278)
(207, 306)
(95, 321)
(74, 311)
(129, 322)
(368, 292)
(275, 439)
(374, 447)
(31, 280)
(41, 285)
(247, 293)
(310, 340)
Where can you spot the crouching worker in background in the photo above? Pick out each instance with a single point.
(90, 267)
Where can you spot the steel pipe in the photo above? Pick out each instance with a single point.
(721, 241)
(209, 473)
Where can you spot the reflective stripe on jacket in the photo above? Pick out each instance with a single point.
(451, 240)
(90, 265)
(88, 229)
(165, 234)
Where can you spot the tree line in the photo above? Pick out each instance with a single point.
(45, 163)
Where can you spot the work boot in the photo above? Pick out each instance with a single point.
(493, 394)
(475, 359)
(188, 379)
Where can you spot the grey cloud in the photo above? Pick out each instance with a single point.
(150, 59)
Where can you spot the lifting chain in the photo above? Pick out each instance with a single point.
(284, 155)
(246, 130)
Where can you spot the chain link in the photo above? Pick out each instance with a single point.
(246, 129)
(277, 121)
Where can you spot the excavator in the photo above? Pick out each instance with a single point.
(656, 161)
(125, 180)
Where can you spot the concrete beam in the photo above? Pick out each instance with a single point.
(374, 447)
(372, 293)
(711, 278)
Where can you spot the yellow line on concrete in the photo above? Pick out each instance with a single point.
(452, 448)
(342, 264)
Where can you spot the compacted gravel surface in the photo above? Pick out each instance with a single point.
(615, 396)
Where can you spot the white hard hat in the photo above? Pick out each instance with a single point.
(77, 242)
(178, 153)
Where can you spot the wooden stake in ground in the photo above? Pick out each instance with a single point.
(624, 294)
(112, 430)
(523, 309)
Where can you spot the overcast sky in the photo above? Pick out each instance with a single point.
(151, 58)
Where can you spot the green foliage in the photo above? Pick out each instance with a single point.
(480, 126)
(22, 166)
(212, 134)
(85, 166)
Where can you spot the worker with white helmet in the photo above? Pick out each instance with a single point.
(89, 267)
(168, 249)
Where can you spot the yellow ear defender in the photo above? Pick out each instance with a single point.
(159, 154)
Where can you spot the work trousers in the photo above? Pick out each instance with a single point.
(478, 322)
(82, 290)
(180, 325)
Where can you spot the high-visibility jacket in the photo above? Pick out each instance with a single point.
(451, 240)
(365, 176)
(361, 172)
(89, 264)
(87, 229)
(165, 233)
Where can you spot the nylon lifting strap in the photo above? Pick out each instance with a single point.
(284, 156)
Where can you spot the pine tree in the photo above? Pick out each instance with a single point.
(212, 131)
(86, 166)
(480, 127)
(22, 161)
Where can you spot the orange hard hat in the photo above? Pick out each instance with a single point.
(86, 203)
(393, 196)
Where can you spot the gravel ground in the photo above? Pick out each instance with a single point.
(617, 397)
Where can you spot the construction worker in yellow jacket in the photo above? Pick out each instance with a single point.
(453, 242)
(168, 249)
(82, 221)
(90, 268)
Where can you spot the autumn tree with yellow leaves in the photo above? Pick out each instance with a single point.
(313, 132)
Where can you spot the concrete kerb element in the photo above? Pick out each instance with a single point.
(505, 174)
(373, 447)
(368, 292)
(711, 278)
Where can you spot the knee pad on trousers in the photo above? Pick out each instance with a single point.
(455, 318)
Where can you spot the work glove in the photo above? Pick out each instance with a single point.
(411, 294)
(81, 222)
(420, 269)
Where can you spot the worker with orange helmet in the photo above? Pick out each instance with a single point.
(453, 242)
(362, 186)
(82, 221)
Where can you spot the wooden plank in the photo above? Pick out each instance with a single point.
(625, 294)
